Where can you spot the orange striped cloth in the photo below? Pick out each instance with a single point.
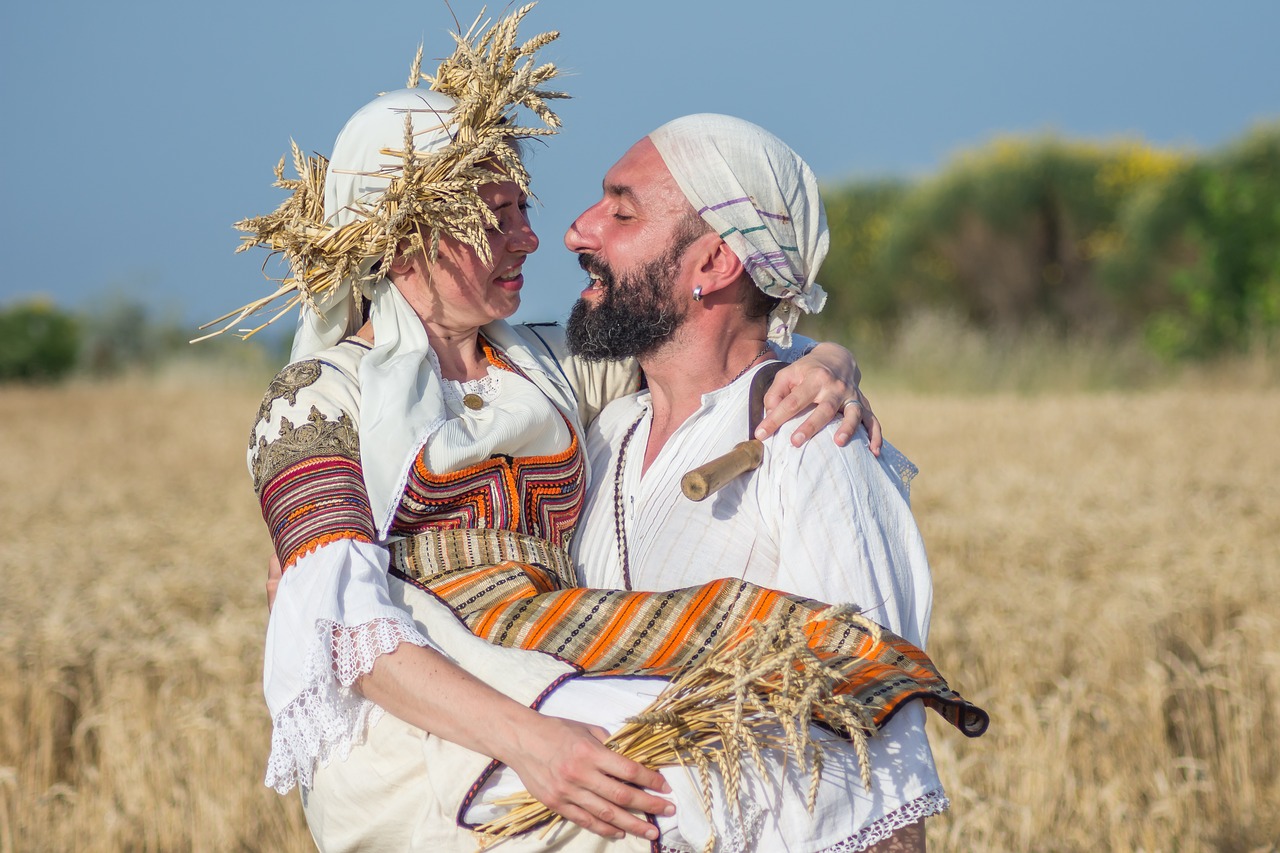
(616, 632)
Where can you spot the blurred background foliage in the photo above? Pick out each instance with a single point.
(1112, 260)
(38, 342)
(1027, 263)
(120, 335)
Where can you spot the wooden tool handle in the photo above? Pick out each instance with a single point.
(706, 479)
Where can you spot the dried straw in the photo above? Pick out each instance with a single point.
(430, 193)
(762, 693)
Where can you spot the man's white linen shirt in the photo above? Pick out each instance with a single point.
(820, 521)
(825, 522)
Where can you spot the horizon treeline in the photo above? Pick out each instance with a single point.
(1115, 241)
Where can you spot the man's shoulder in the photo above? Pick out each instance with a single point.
(545, 331)
(821, 455)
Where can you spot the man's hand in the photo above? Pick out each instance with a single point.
(566, 766)
(827, 379)
(274, 573)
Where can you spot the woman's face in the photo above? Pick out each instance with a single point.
(463, 292)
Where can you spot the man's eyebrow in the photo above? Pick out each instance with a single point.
(619, 190)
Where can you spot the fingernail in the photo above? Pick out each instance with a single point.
(797, 438)
(760, 433)
(668, 811)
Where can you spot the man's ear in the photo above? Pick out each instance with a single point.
(718, 266)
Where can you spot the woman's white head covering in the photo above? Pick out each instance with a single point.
(357, 176)
(401, 393)
(761, 198)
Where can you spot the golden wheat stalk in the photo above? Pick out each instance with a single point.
(762, 693)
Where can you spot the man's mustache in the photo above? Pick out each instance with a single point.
(594, 266)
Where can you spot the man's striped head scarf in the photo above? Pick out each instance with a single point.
(761, 198)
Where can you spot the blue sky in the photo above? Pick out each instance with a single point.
(135, 133)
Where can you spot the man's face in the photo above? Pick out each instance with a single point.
(632, 243)
(632, 314)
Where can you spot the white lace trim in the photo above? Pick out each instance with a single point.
(932, 803)
(328, 717)
(740, 838)
(488, 388)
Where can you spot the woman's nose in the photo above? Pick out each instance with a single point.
(523, 238)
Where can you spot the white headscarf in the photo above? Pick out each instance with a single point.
(354, 177)
(402, 397)
(761, 198)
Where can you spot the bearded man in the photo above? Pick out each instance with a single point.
(705, 245)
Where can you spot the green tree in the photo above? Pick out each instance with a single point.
(863, 295)
(121, 332)
(1009, 235)
(38, 342)
(1208, 245)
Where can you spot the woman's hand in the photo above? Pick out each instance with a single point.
(827, 379)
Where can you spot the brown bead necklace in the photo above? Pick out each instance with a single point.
(619, 514)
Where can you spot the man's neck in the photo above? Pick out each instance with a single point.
(694, 363)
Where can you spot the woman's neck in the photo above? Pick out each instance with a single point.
(456, 342)
(461, 358)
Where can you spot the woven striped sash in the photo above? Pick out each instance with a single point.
(519, 599)
(435, 552)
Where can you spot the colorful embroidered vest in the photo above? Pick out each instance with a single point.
(540, 496)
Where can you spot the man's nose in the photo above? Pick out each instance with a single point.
(583, 235)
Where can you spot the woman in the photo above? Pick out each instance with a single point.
(435, 416)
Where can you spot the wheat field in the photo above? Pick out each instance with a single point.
(1107, 572)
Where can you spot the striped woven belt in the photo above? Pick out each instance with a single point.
(433, 552)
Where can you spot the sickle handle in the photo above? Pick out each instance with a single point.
(707, 479)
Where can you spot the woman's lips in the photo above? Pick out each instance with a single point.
(512, 281)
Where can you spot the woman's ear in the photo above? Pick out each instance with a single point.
(402, 260)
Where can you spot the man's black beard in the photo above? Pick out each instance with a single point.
(633, 316)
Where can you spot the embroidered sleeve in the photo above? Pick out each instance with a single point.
(333, 615)
(304, 456)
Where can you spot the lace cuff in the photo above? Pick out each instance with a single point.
(928, 804)
(328, 717)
